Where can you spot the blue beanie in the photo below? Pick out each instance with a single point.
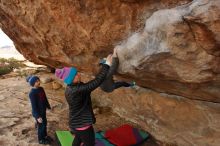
(28, 78)
(32, 80)
(69, 79)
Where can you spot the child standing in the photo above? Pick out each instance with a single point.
(39, 105)
(78, 96)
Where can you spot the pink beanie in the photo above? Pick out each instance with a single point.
(67, 74)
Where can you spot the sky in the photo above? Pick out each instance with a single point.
(5, 40)
(9, 51)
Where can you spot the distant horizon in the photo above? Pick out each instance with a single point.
(6, 46)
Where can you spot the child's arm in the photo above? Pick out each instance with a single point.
(35, 111)
(47, 103)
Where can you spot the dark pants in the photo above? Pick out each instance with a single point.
(87, 137)
(42, 128)
(121, 84)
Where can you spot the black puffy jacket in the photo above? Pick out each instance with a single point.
(79, 100)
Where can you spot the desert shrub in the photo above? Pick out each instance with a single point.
(5, 70)
(7, 65)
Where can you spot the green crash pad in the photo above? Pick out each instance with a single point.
(65, 138)
(121, 136)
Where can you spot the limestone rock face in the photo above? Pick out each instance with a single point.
(172, 119)
(177, 51)
(168, 46)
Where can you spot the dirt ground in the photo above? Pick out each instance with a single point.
(17, 124)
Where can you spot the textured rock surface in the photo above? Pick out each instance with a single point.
(177, 51)
(72, 32)
(168, 46)
(165, 45)
(172, 119)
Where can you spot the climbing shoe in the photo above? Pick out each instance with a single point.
(49, 138)
(44, 141)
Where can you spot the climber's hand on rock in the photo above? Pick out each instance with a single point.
(115, 52)
(109, 60)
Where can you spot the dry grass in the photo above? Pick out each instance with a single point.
(7, 65)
